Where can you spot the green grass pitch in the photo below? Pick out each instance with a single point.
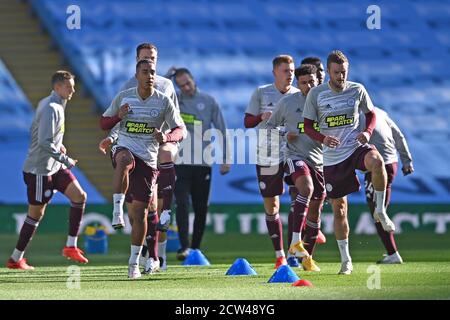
(425, 274)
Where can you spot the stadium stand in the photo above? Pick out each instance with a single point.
(228, 45)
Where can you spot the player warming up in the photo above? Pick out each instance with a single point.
(141, 111)
(47, 168)
(335, 106)
(388, 139)
(303, 168)
(269, 161)
(161, 200)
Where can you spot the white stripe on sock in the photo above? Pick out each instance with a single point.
(17, 255)
(71, 241)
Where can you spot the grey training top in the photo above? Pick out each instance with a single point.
(47, 131)
(337, 114)
(264, 99)
(200, 113)
(288, 113)
(161, 84)
(388, 138)
(137, 127)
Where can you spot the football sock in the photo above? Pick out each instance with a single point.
(118, 200)
(26, 233)
(387, 238)
(75, 216)
(162, 249)
(71, 241)
(380, 198)
(275, 229)
(279, 253)
(310, 235)
(135, 253)
(17, 255)
(152, 235)
(166, 184)
(344, 250)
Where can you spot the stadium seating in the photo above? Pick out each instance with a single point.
(15, 110)
(228, 45)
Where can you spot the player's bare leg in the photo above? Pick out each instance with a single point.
(137, 211)
(275, 228)
(124, 164)
(35, 215)
(375, 164)
(342, 230)
(78, 199)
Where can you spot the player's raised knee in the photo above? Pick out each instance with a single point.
(167, 153)
(124, 160)
(80, 197)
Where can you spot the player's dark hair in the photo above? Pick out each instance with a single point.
(145, 45)
(143, 61)
(60, 76)
(336, 56)
(181, 71)
(283, 58)
(312, 60)
(305, 69)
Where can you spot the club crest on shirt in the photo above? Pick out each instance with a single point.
(200, 106)
(154, 113)
(351, 102)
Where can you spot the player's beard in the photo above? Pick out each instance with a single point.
(339, 85)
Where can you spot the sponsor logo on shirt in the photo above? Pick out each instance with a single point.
(139, 127)
(301, 127)
(339, 121)
(190, 119)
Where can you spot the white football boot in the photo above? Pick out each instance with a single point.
(394, 258)
(133, 271)
(151, 266)
(346, 268)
